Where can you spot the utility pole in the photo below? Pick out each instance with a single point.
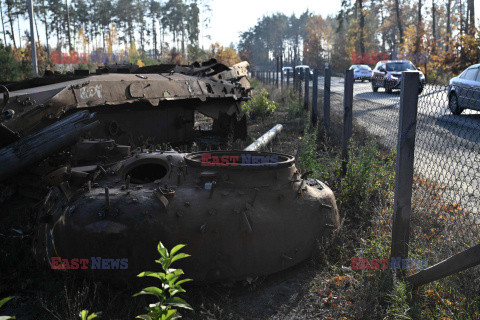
(32, 39)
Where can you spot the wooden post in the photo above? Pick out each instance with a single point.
(459, 262)
(326, 99)
(307, 88)
(402, 204)
(347, 117)
(315, 97)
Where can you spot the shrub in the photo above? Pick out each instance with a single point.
(259, 106)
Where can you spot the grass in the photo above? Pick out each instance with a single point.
(365, 199)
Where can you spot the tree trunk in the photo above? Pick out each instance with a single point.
(362, 26)
(10, 20)
(46, 33)
(382, 22)
(3, 25)
(399, 21)
(470, 17)
(183, 29)
(434, 33)
(70, 48)
(449, 28)
(419, 28)
(36, 28)
(161, 43)
(461, 19)
(19, 34)
(154, 33)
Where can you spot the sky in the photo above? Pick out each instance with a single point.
(234, 17)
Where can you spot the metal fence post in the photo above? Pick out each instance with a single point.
(281, 72)
(276, 72)
(299, 80)
(315, 97)
(294, 82)
(402, 205)
(307, 88)
(288, 78)
(326, 99)
(347, 117)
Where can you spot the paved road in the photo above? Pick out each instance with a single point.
(447, 146)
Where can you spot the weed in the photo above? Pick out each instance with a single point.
(2, 302)
(84, 315)
(164, 309)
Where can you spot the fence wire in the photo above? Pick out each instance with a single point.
(445, 217)
(446, 193)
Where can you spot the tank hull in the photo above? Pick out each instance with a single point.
(238, 221)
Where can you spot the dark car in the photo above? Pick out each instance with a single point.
(388, 74)
(464, 90)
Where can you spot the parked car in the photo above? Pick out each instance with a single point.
(464, 90)
(286, 70)
(303, 67)
(361, 72)
(388, 74)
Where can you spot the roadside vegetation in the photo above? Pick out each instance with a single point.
(365, 201)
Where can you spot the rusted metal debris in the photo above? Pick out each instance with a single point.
(35, 147)
(242, 214)
(132, 104)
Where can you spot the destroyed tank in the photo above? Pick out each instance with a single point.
(242, 214)
(134, 106)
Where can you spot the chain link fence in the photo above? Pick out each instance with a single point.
(444, 223)
(445, 218)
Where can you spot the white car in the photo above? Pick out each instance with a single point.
(287, 69)
(304, 68)
(361, 72)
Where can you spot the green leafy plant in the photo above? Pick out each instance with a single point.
(165, 308)
(85, 316)
(2, 302)
(259, 106)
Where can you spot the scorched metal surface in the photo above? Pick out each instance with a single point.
(242, 215)
(133, 105)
